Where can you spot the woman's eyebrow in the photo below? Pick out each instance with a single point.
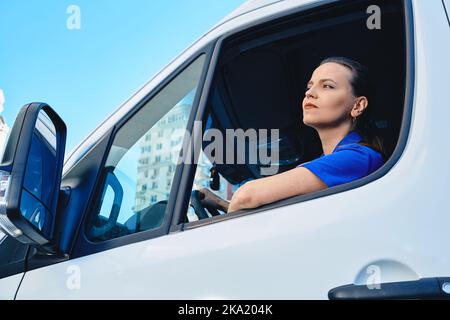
(327, 79)
(321, 81)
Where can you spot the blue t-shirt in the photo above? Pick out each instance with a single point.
(349, 161)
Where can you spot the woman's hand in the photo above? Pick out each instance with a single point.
(243, 198)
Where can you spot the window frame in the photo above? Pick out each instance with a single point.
(178, 223)
(82, 245)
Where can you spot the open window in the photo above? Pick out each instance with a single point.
(261, 74)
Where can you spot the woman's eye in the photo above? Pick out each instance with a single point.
(328, 86)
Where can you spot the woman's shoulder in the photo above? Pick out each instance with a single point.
(362, 149)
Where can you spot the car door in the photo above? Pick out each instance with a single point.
(372, 235)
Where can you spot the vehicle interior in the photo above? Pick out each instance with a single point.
(262, 73)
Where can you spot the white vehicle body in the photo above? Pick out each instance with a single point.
(395, 228)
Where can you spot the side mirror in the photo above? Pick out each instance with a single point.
(30, 174)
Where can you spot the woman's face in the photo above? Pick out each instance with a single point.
(329, 98)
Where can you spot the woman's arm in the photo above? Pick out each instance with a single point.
(262, 191)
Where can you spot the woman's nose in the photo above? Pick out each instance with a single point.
(310, 93)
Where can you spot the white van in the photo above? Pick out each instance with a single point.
(121, 218)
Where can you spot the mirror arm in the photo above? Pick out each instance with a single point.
(63, 201)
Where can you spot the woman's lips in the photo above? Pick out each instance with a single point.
(309, 106)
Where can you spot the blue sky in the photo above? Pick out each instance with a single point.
(85, 74)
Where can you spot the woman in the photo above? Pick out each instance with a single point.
(334, 105)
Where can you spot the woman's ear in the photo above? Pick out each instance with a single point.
(360, 105)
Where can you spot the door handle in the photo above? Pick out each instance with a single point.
(426, 288)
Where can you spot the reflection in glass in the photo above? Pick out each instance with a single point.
(143, 158)
(40, 173)
(35, 212)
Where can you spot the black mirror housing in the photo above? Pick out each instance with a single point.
(30, 174)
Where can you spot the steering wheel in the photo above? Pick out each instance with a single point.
(204, 199)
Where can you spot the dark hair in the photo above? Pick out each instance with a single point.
(361, 86)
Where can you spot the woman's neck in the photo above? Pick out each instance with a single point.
(330, 137)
